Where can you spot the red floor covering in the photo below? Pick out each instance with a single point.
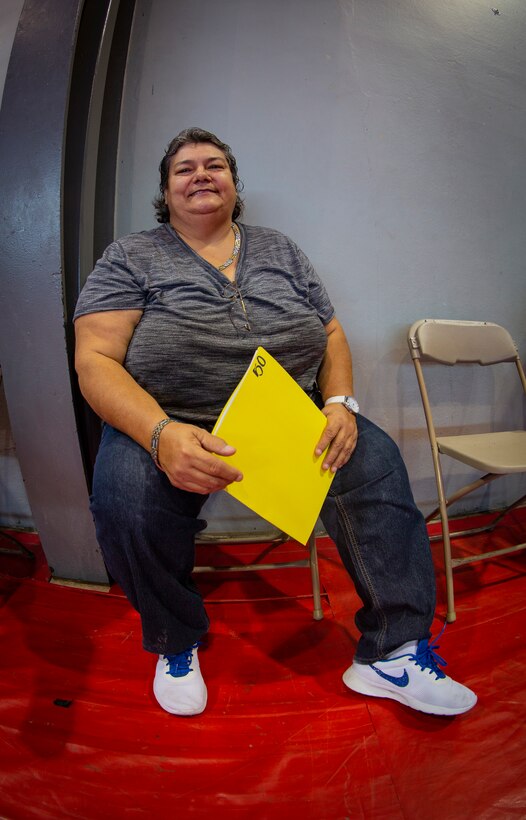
(81, 736)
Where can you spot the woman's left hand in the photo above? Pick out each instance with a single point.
(340, 435)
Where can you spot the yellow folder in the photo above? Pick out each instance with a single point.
(275, 427)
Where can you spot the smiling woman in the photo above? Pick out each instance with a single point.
(199, 179)
(195, 136)
(200, 184)
(198, 174)
(166, 325)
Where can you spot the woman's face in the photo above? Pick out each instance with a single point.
(200, 182)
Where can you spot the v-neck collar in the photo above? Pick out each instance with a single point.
(207, 265)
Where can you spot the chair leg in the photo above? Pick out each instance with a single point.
(446, 540)
(317, 612)
(442, 506)
(450, 592)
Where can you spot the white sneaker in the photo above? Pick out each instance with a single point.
(178, 684)
(412, 676)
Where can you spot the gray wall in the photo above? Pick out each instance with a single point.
(387, 137)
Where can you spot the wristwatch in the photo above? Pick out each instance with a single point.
(349, 402)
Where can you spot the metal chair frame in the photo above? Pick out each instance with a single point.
(451, 342)
(311, 561)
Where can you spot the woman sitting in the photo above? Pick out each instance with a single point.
(166, 325)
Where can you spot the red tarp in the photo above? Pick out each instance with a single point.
(82, 737)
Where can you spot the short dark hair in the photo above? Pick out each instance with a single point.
(191, 136)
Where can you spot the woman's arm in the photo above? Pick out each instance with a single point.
(102, 340)
(186, 452)
(335, 379)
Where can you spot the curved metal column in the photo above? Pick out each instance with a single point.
(51, 124)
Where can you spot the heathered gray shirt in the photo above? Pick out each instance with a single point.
(191, 345)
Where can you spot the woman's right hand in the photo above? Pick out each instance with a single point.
(187, 455)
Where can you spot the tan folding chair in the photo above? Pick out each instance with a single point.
(273, 540)
(450, 342)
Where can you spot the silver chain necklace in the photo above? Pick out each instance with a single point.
(235, 251)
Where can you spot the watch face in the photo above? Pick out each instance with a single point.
(351, 404)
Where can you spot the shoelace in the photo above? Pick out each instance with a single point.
(179, 664)
(427, 657)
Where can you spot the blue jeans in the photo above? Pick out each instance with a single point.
(146, 529)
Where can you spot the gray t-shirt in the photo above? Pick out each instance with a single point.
(191, 345)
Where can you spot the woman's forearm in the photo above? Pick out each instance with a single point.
(335, 374)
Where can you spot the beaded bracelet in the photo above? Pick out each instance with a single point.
(154, 444)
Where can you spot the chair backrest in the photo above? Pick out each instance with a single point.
(452, 341)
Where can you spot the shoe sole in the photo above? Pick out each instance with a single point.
(357, 684)
(181, 714)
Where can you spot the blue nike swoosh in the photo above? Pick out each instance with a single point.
(401, 681)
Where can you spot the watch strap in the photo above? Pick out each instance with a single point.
(349, 402)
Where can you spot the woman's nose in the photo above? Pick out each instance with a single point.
(201, 173)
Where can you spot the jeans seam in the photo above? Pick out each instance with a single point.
(351, 541)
